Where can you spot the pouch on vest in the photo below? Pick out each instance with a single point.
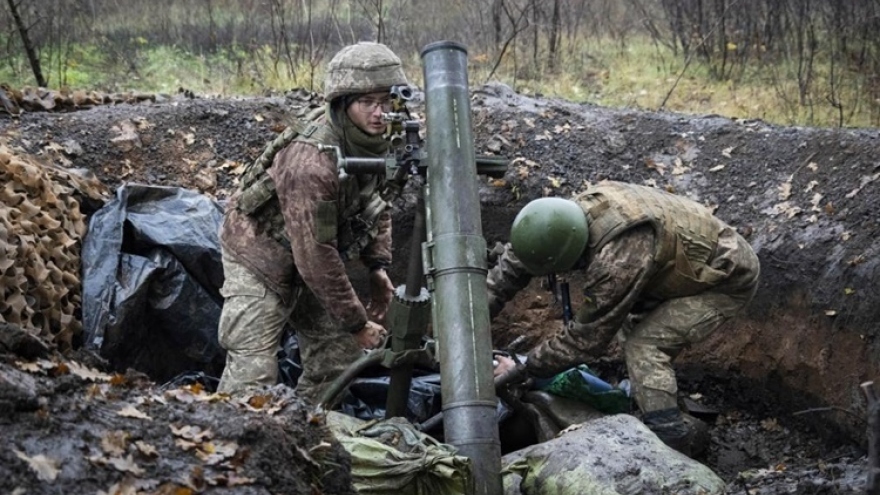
(256, 195)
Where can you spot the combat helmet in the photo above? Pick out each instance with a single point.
(362, 68)
(549, 235)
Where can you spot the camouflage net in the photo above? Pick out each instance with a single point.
(31, 99)
(41, 228)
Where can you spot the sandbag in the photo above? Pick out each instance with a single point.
(612, 455)
(392, 457)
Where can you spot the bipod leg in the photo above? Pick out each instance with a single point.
(408, 318)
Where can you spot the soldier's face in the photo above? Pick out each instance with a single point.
(366, 112)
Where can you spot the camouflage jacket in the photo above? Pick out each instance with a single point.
(318, 207)
(637, 257)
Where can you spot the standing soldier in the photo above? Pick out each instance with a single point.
(659, 267)
(294, 223)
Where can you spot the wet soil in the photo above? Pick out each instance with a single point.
(779, 387)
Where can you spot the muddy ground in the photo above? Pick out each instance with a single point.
(780, 387)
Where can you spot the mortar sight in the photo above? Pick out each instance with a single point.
(401, 92)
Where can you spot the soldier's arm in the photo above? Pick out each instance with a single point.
(505, 280)
(614, 281)
(307, 185)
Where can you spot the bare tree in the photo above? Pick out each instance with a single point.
(29, 48)
(553, 36)
(375, 10)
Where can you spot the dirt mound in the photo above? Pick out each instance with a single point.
(67, 424)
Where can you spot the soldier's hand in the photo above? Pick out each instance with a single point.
(381, 290)
(371, 336)
(505, 365)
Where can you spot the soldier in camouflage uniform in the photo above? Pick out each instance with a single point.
(293, 224)
(661, 272)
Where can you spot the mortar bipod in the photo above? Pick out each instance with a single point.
(408, 317)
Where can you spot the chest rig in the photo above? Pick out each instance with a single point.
(359, 205)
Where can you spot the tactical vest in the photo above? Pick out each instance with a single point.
(356, 222)
(687, 233)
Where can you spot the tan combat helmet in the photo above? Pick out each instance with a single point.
(362, 68)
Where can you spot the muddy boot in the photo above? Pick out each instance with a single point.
(678, 430)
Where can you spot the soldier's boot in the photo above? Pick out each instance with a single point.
(679, 430)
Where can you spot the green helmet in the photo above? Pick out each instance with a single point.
(549, 235)
(362, 68)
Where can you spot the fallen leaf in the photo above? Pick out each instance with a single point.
(194, 433)
(770, 424)
(811, 185)
(180, 395)
(784, 191)
(59, 369)
(125, 487)
(45, 467)
(849, 291)
(813, 166)
(258, 401)
(562, 129)
(544, 136)
(29, 367)
(185, 444)
(554, 181)
(231, 479)
(787, 208)
(87, 373)
(215, 397)
(132, 412)
(727, 151)
(678, 167)
(115, 443)
(817, 198)
(126, 465)
(659, 166)
(189, 138)
(216, 452)
(857, 260)
(146, 449)
(118, 379)
(196, 388)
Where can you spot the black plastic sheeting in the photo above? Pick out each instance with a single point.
(151, 280)
(152, 274)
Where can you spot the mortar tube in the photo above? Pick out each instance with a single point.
(457, 267)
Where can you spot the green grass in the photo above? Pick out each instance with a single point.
(642, 76)
(638, 75)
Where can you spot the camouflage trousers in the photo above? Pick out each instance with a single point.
(251, 325)
(651, 341)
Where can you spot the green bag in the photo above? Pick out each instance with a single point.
(581, 384)
(391, 457)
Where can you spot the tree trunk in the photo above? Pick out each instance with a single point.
(32, 56)
(554, 35)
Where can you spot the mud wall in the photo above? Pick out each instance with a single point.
(806, 199)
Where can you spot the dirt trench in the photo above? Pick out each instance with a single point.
(785, 375)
